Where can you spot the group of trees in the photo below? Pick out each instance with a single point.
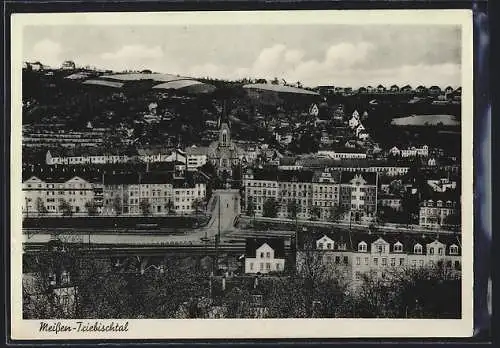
(317, 288)
(271, 207)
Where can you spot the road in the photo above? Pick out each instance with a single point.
(226, 209)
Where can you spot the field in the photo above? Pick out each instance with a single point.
(426, 120)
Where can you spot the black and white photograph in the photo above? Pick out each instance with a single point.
(176, 168)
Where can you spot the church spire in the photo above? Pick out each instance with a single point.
(223, 118)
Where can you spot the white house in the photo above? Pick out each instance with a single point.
(264, 255)
(325, 243)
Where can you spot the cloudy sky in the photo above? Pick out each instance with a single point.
(339, 55)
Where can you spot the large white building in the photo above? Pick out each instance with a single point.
(357, 254)
(60, 194)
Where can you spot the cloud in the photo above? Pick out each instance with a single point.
(134, 52)
(46, 51)
(342, 64)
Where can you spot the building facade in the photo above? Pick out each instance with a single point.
(314, 194)
(59, 195)
(358, 255)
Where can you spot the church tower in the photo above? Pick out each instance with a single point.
(224, 130)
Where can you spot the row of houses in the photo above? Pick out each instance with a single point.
(352, 255)
(356, 163)
(354, 193)
(394, 89)
(342, 195)
(151, 193)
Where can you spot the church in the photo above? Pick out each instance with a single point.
(223, 153)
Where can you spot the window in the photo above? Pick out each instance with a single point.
(421, 263)
(261, 255)
(380, 248)
(268, 266)
(358, 275)
(417, 249)
(366, 260)
(384, 261)
(375, 261)
(453, 250)
(431, 251)
(358, 260)
(346, 260)
(440, 251)
(320, 245)
(448, 264)
(393, 262)
(362, 246)
(457, 265)
(261, 266)
(251, 266)
(414, 263)
(268, 255)
(329, 245)
(337, 259)
(278, 267)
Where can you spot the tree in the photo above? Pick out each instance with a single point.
(293, 209)
(270, 208)
(91, 207)
(65, 208)
(40, 207)
(250, 208)
(145, 206)
(315, 212)
(197, 205)
(336, 212)
(117, 205)
(453, 220)
(170, 207)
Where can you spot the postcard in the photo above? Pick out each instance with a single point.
(272, 174)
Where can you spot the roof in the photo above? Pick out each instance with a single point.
(202, 150)
(295, 175)
(370, 177)
(104, 83)
(407, 240)
(179, 84)
(279, 88)
(144, 76)
(121, 179)
(277, 244)
(335, 176)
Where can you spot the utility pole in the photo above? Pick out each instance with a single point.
(217, 238)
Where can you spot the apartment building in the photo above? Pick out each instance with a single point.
(326, 192)
(352, 255)
(60, 193)
(152, 193)
(358, 196)
(356, 192)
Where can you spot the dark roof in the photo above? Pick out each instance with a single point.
(121, 179)
(295, 175)
(370, 177)
(277, 244)
(408, 240)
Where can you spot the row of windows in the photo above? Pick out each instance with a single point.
(267, 266)
(417, 249)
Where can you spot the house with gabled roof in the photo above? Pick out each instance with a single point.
(264, 255)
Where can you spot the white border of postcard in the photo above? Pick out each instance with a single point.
(251, 328)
